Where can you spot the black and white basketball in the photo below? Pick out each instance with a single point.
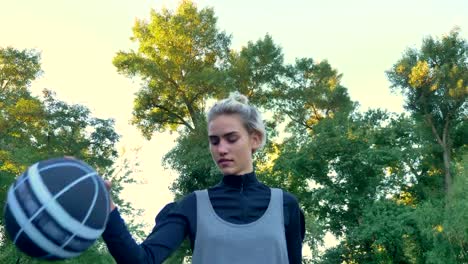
(56, 209)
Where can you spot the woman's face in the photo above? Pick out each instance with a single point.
(231, 145)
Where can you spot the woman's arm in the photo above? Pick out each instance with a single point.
(172, 224)
(168, 234)
(294, 228)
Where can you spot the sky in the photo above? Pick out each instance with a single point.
(78, 40)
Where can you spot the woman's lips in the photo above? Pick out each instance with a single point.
(224, 162)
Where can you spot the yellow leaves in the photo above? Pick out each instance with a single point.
(270, 161)
(406, 199)
(400, 69)
(460, 90)
(9, 166)
(27, 110)
(434, 172)
(460, 85)
(420, 75)
(332, 83)
(351, 135)
(438, 228)
(314, 119)
(380, 248)
(15, 134)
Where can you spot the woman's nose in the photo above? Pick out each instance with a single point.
(222, 148)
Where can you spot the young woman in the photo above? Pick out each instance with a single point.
(240, 220)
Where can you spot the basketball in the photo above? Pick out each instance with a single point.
(56, 209)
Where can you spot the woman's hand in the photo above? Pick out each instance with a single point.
(108, 186)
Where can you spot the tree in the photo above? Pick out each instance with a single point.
(179, 61)
(34, 129)
(310, 92)
(21, 114)
(18, 68)
(349, 173)
(71, 130)
(194, 173)
(434, 81)
(256, 70)
(441, 223)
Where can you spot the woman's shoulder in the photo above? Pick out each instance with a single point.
(190, 200)
(182, 207)
(289, 198)
(187, 201)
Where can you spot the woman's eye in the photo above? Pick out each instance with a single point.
(214, 141)
(232, 139)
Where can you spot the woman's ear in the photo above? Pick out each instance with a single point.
(255, 140)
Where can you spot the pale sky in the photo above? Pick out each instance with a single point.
(78, 39)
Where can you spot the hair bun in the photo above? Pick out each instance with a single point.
(236, 96)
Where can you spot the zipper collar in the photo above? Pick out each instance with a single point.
(240, 181)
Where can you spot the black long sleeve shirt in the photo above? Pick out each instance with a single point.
(236, 199)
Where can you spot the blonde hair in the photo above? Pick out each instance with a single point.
(238, 103)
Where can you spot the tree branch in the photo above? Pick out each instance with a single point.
(190, 108)
(173, 114)
(316, 112)
(4, 84)
(446, 128)
(434, 130)
(298, 121)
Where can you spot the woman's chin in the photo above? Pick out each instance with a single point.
(228, 171)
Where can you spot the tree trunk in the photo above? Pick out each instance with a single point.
(445, 143)
(448, 175)
(447, 156)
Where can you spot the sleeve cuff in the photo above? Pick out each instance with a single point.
(115, 223)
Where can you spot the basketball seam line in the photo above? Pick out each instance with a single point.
(35, 235)
(54, 209)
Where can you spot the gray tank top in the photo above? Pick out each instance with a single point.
(220, 242)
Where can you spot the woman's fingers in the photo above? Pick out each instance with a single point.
(108, 186)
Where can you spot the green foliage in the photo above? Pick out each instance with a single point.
(434, 81)
(18, 68)
(96, 254)
(121, 174)
(179, 61)
(309, 93)
(350, 165)
(33, 129)
(386, 226)
(20, 114)
(70, 130)
(256, 70)
(194, 173)
(442, 222)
